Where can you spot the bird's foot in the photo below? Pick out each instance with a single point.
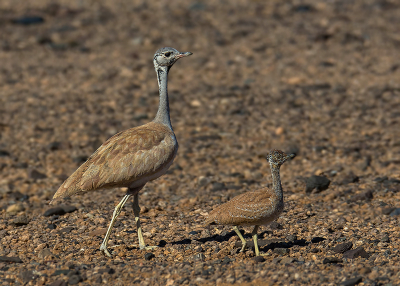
(144, 247)
(149, 247)
(104, 249)
(243, 247)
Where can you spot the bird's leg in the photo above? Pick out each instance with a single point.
(236, 229)
(116, 213)
(136, 211)
(255, 240)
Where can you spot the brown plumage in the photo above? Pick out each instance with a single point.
(126, 159)
(132, 157)
(257, 208)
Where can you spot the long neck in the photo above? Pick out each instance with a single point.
(276, 182)
(163, 108)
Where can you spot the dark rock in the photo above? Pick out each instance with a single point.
(106, 270)
(342, 247)
(226, 260)
(54, 211)
(10, 259)
(354, 253)
(364, 196)
(27, 276)
(28, 20)
(69, 209)
(350, 178)
(352, 281)
(193, 232)
(388, 211)
(328, 260)
(319, 183)
(67, 229)
(36, 175)
(61, 271)
(258, 259)
(149, 256)
(20, 220)
(287, 260)
(275, 225)
(385, 238)
(314, 250)
(217, 187)
(74, 279)
(317, 239)
(281, 251)
(395, 212)
(53, 146)
(58, 283)
(4, 153)
(51, 226)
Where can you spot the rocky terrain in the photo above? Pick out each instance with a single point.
(318, 78)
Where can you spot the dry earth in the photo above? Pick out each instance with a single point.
(319, 78)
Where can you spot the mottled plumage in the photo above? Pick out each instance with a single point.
(257, 208)
(132, 157)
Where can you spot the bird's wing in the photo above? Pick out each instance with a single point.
(126, 157)
(243, 209)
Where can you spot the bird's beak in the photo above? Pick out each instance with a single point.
(292, 155)
(181, 55)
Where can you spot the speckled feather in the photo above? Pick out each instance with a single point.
(128, 157)
(258, 207)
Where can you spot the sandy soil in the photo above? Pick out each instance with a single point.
(319, 78)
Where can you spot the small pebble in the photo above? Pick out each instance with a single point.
(149, 256)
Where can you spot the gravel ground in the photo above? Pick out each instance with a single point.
(318, 78)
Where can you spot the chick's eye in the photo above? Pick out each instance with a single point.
(167, 54)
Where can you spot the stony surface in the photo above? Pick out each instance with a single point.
(318, 78)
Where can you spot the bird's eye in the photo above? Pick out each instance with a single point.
(167, 54)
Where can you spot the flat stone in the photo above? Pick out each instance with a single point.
(20, 220)
(281, 251)
(354, 253)
(287, 260)
(61, 272)
(58, 283)
(54, 211)
(74, 279)
(10, 259)
(259, 259)
(395, 212)
(35, 174)
(319, 183)
(342, 247)
(27, 275)
(68, 209)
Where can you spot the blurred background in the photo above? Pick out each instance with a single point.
(319, 78)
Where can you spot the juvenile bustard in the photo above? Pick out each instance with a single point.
(256, 208)
(132, 157)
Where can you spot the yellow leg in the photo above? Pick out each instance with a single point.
(236, 229)
(136, 211)
(116, 213)
(255, 240)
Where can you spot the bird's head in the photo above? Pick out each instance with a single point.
(166, 57)
(277, 157)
